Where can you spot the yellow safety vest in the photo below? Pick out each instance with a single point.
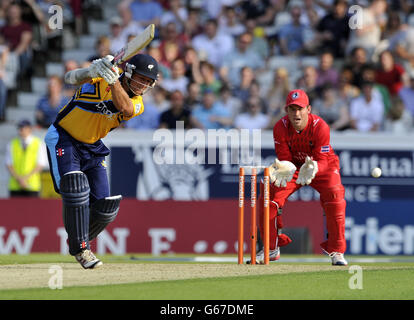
(23, 162)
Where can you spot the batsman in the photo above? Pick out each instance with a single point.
(305, 157)
(77, 154)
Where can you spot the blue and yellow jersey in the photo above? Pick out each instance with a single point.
(91, 114)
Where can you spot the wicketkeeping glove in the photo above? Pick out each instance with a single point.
(281, 172)
(307, 171)
(106, 70)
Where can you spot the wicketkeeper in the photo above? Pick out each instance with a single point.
(77, 154)
(305, 157)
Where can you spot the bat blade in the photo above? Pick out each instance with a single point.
(135, 45)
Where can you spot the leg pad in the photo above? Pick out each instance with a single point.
(103, 212)
(74, 189)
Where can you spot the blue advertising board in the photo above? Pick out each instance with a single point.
(380, 228)
(380, 217)
(136, 175)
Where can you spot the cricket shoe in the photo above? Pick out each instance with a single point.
(88, 260)
(273, 256)
(338, 259)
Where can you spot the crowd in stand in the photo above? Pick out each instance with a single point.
(231, 63)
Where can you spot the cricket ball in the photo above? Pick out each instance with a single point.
(376, 172)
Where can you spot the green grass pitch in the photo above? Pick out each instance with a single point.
(377, 281)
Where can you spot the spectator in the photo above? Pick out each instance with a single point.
(70, 89)
(356, 63)
(346, 90)
(4, 4)
(154, 51)
(327, 74)
(368, 74)
(210, 114)
(309, 83)
(253, 118)
(178, 80)
(404, 7)
(229, 22)
(193, 25)
(172, 40)
(242, 91)
(407, 95)
(178, 111)
(399, 120)
(169, 53)
(102, 48)
(49, 106)
(404, 49)
(292, 34)
(193, 95)
(368, 35)
(390, 74)
(212, 45)
(148, 120)
(277, 94)
(367, 111)
(177, 14)
(47, 36)
(312, 14)
(117, 38)
(394, 31)
(262, 11)
(129, 26)
(333, 29)
(76, 6)
(332, 109)
(192, 65)
(158, 98)
(145, 12)
(209, 79)
(229, 102)
(4, 56)
(240, 57)
(214, 9)
(256, 92)
(18, 36)
(85, 64)
(259, 43)
(25, 159)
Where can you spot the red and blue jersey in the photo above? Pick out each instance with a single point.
(313, 141)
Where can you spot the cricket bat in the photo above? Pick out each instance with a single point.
(135, 45)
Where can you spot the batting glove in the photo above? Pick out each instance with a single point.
(281, 172)
(93, 69)
(307, 172)
(107, 70)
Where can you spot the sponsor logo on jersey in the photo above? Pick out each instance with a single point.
(104, 109)
(60, 152)
(138, 107)
(325, 149)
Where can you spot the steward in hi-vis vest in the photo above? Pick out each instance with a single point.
(25, 159)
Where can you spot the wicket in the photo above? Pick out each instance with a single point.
(253, 228)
